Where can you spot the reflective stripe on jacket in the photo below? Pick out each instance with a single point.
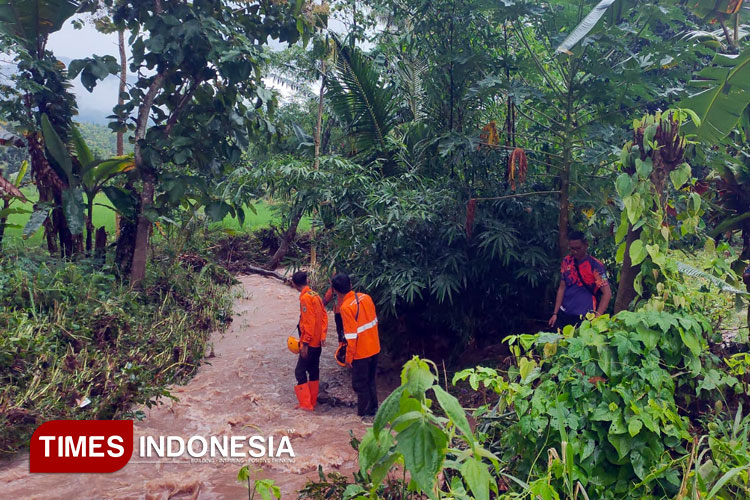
(360, 326)
(313, 320)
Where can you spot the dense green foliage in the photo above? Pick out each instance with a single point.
(101, 140)
(78, 343)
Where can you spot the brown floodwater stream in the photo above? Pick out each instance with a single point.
(245, 390)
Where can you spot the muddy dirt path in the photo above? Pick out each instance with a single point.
(247, 389)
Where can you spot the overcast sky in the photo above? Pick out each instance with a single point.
(70, 43)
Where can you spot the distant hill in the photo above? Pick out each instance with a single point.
(101, 140)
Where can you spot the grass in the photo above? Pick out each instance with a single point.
(263, 215)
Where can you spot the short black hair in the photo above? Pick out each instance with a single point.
(577, 235)
(341, 283)
(299, 278)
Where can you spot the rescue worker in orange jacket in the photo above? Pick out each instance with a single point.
(313, 326)
(363, 343)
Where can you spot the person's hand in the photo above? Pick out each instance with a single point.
(552, 320)
(323, 343)
(303, 351)
(348, 365)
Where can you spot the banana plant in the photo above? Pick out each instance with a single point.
(85, 175)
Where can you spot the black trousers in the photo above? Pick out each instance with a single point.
(363, 383)
(564, 319)
(339, 327)
(308, 366)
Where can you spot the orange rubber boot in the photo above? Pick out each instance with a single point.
(314, 384)
(303, 396)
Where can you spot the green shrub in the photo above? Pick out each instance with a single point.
(76, 343)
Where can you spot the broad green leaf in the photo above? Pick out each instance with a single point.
(21, 174)
(621, 442)
(624, 185)
(217, 210)
(477, 476)
(694, 202)
(83, 153)
(73, 208)
(32, 20)
(35, 221)
(57, 149)
(691, 341)
(585, 26)
(680, 175)
(103, 171)
(634, 426)
(633, 207)
(637, 252)
(373, 448)
(648, 336)
(417, 377)
(724, 93)
(638, 463)
(123, 201)
(423, 447)
(453, 409)
(388, 410)
(620, 254)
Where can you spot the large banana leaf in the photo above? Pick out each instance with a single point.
(724, 95)
(585, 26)
(689, 270)
(85, 157)
(57, 149)
(101, 172)
(33, 20)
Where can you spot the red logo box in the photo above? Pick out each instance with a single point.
(81, 446)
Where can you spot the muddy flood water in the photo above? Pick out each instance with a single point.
(246, 390)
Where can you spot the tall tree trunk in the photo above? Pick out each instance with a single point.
(50, 188)
(316, 162)
(564, 215)
(121, 87)
(148, 176)
(126, 240)
(120, 102)
(286, 239)
(625, 289)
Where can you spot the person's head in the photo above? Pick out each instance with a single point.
(299, 279)
(341, 283)
(577, 245)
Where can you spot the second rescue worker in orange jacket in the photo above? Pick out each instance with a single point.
(363, 343)
(313, 326)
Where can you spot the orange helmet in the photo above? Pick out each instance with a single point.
(341, 354)
(293, 344)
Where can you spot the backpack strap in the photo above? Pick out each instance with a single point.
(590, 288)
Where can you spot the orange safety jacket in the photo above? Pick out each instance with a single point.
(313, 319)
(360, 326)
(329, 296)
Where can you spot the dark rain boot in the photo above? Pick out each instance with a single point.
(303, 396)
(313, 385)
